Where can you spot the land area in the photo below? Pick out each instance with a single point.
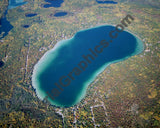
(125, 95)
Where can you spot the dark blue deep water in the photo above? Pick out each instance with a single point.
(64, 73)
(5, 25)
(59, 14)
(1, 64)
(30, 14)
(53, 3)
(26, 26)
(106, 2)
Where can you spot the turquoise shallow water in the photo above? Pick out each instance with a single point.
(15, 3)
(64, 72)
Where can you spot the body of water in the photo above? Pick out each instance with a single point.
(1, 64)
(15, 3)
(106, 2)
(59, 14)
(5, 25)
(26, 26)
(53, 3)
(30, 14)
(64, 73)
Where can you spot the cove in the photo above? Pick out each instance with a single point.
(63, 73)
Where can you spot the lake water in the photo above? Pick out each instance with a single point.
(64, 73)
(1, 64)
(26, 26)
(16, 3)
(106, 2)
(53, 3)
(59, 14)
(5, 25)
(30, 14)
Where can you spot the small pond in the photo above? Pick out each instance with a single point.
(30, 14)
(59, 14)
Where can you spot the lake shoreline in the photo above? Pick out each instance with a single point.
(39, 91)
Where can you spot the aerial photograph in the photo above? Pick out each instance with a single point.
(79, 63)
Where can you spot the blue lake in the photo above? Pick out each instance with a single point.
(106, 2)
(5, 25)
(16, 3)
(26, 26)
(1, 64)
(63, 74)
(30, 14)
(59, 14)
(53, 3)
